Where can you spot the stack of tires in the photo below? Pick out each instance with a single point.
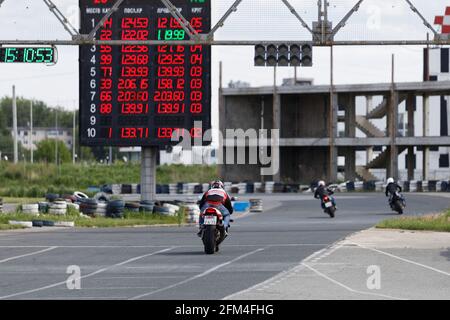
(147, 206)
(172, 209)
(79, 196)
(101, 209)
(1, 205)
(268, 186)
(58, 207)
(256, 205)
(115, 209)
(126, 189)
(132, 206)
(192, 212)
(43, 207)
(166, 209)
(32, 209)
(116, 188)
(88, 207)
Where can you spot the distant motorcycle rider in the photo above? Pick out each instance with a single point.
(323, 191)
(391, 188)
(218, 198)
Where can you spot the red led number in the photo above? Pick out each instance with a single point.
(134, 133)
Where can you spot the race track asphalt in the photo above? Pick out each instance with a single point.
(168, 262)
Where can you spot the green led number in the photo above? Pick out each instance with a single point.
(11, 55)
(46, 55)
(29, 55)
(171, 34)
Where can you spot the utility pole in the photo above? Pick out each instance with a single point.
(31, 132)
(57, 136)
(14, 107)
(110, 156)
(73, 134)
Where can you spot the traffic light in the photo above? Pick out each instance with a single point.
(260, 55)
(283, 55)
(272, 55)
(307, 55)
(295, 55)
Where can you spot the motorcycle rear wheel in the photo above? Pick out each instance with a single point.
(399, 207)
(209, 239)
(331, 212)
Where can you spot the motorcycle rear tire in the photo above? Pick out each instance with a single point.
(331, 212)
(209, 239)
(399, 207)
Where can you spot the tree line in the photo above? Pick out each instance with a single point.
(44, 116)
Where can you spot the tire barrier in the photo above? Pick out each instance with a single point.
(192, 212)
(37, 223)
(172, 209)
(101, 209)
(43, 207)
(59, 207)
(115, 209)
(158, 209)
(173, 188)
(1, 205)
(269, 186)
(106, 189)
(126, 189)
(88, 207)
(198, 189)
(26, 224)
(256, 205)
(132, 206)
(165, 189)
(32, 209)
(80, 195)
(146, 206)
(116, 188)
(102, 196)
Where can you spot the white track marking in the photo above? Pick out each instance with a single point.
(403, 259)
(27, 254)
(197, 276)
(286, 273)
(348, 288)
(86, 276)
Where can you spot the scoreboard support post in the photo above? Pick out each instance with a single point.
(148, 173)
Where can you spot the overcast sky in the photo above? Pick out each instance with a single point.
(254, 20)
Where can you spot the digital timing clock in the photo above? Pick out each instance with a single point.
(28, 55)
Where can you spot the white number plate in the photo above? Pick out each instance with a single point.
(328, 204)
(210, 221)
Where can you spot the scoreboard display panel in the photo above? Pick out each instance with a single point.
(137, 95)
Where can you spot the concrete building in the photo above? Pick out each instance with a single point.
(30, 140)
(361, 131)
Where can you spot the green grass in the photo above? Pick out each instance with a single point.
(10, 227)
(435, 222)
(35, 180)
(21, 200)
(129, 219)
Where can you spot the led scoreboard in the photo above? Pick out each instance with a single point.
(137, 95)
